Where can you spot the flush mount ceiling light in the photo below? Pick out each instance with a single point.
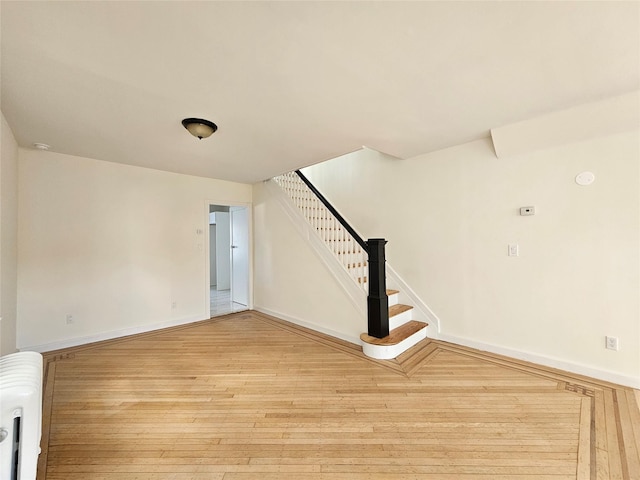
(199, 127)
(41, 146)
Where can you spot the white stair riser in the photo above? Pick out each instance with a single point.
(401, 319)
(387, 352)
(394, 299)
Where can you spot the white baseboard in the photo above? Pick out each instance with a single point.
(613, 377)
(77, 341)
(312, 326)
(607, 376)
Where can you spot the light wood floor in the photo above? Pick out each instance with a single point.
(247, 396)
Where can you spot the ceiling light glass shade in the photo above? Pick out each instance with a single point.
(199, 127)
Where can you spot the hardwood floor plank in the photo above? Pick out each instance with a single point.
(613, 447)
(400, 476)
(630, 448)
(247, 396)
(601, 439)
(583, 471)
(47, 405)
(634, 417)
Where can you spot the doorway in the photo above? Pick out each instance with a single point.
(228, 259)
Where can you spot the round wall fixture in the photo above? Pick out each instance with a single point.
(585, 178)
(199, 127)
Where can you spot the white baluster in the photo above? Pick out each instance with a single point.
(342, 244)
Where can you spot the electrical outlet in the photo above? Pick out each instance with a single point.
(174, 305)
(70, 319)
(611, 343)
(514, 250)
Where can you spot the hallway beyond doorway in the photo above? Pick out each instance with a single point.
(221, 303)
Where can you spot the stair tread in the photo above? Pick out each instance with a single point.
(392, 292)
(396, 335)
(398, 309)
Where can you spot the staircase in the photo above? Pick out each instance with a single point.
(404, 332)
(353, 252)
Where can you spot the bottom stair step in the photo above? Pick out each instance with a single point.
(397, 335)
(399, 340)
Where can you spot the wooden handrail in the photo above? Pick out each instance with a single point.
(377, 300)
(334, 212)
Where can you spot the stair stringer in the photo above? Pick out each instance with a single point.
(355, 293)
(421, 310)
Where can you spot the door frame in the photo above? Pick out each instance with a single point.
(207, 253)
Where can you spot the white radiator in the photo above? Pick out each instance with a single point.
(20, 415)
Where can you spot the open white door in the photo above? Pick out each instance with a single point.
(239, 255)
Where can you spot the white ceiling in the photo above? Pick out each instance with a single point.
(294, 83)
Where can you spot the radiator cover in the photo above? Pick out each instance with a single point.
(20, 415)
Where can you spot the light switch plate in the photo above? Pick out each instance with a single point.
(526, 211)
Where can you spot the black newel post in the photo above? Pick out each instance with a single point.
(377, 301)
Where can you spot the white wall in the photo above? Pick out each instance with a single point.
(112, 245)
(290, 281)
(450, 215)
(8, 238)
